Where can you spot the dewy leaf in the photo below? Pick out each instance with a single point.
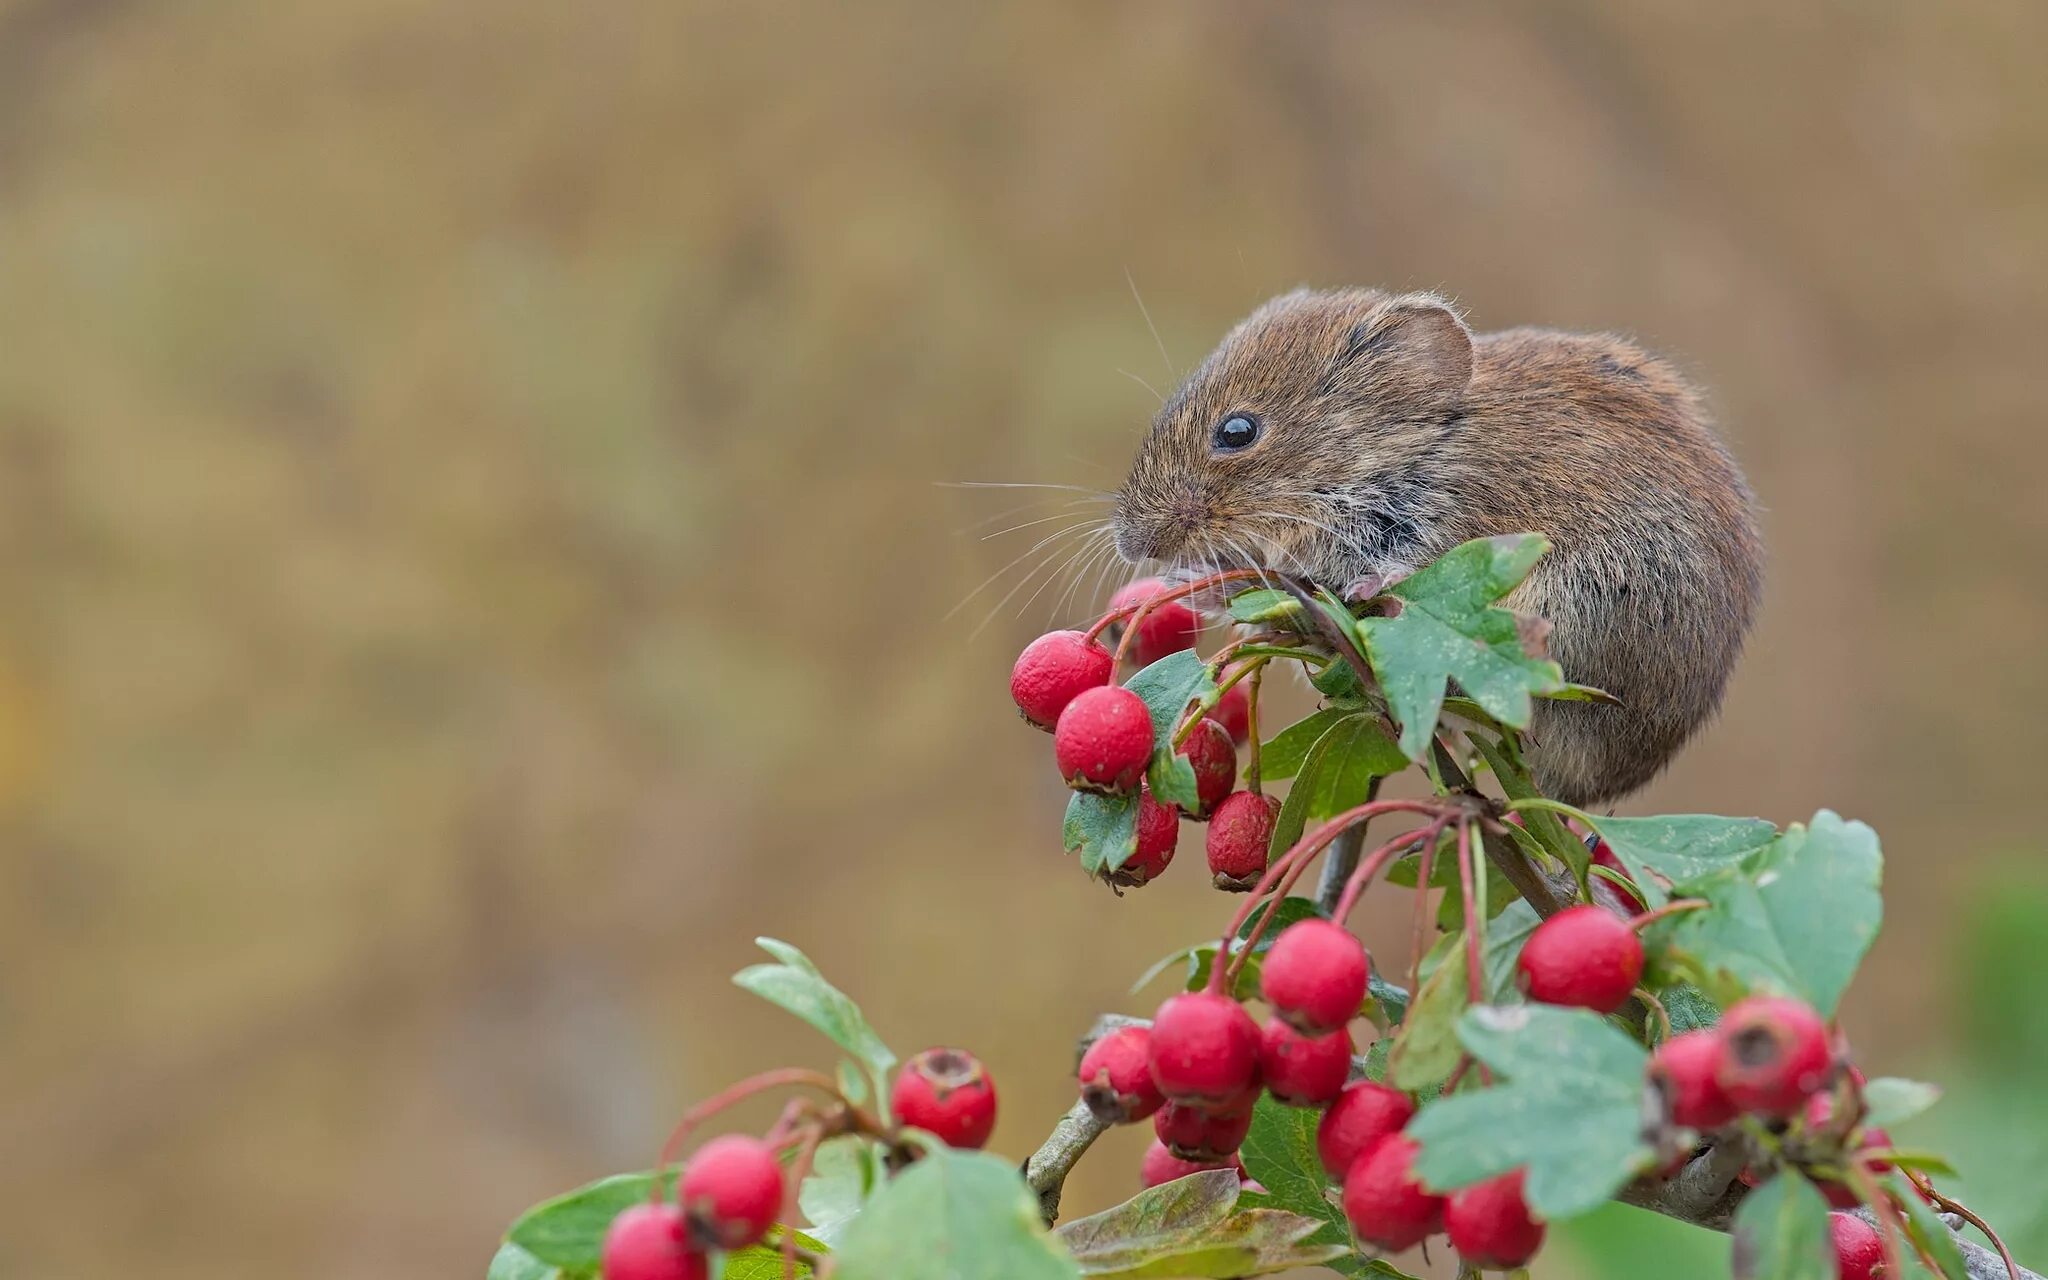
(1103, 830)
(1427, 1048)
(1186, 1228)
(568, 1231)
(511, 1262)
(953, 1215)
(1798, 919)
(1167, 687)
(1568, 1106)
(1280, 1154)
(797, 986)
(1889, 1099)
(1681, 847)
(1281, 755)
(1448, 628)
(1781, 1233)
(1338, 774)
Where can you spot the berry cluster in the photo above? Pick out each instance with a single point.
(733, 1189)
(1104, 737)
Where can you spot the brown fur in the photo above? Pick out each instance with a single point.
(1392, 434)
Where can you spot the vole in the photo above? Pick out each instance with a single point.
(1352, 434)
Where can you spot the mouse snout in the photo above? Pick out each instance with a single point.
(1158, 531)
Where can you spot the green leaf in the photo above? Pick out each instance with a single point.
(953, 1215)
(1540, 831)
(1392, 998)
(1567, 1105)
(1929, 1232)
(1186, 1228)
(1103, 830)
(1797, 920)
(1168, 687)
(1689, 1008)
(1682, 847)
(568, 1231)
(1340, 684)
(1916, 1159)
(1263, 604)
(1338, 774)
(1448, 628)
(1280, 1154)
(1781, 1233)
(511, 1262)
(844, 1173)
(1888, 1099)
(1281, 755)
(764, 1261)
(1427, 1048)
(796, 985)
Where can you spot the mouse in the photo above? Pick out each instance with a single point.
(1354, 435)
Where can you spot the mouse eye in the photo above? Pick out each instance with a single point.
(1235, 433)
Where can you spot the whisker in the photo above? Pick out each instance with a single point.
(1141, 382)
(1102, 544)
(1064, 515)
(1013, 563)
(1049, 557)
(1097, 494)
(1054, 576)
(1007, 512)
(1132, 281)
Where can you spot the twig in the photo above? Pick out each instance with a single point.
(1341, 861)
(1047, 1169)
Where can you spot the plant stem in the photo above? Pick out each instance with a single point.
(1251, 729)
(1475, 921)
(1343, 860)
(1672, 908)
(787, 1077)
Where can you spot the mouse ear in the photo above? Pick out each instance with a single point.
(1415, 342)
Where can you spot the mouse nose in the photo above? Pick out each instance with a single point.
(1134, 541)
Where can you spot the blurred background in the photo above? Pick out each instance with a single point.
(473, 509)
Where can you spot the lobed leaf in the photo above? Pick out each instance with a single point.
(1188, 1228)
(1103, 830)
(1280, 1154)
(1681, 847)
(1168, 688)
(953, 1215)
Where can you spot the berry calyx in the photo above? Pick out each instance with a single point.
(1214, 757)
(1053, 670)
(1161, 1166)
(1103, 740)
(1239, 832)
(1315, 976)
(1859, 1250)
(1304, 1071)
(948, 1094)
(650, 1242)
(1682, 1070)
(1116, 1077)
(1490, 1226)
(1583, 957)
(1194, 1134)
(1363, 1114)
(1205, 1050)
(731, 1192)
(1158, 836)
(1383, 1200)
(1774, 1055)
(1234, 712)
(1168, 628)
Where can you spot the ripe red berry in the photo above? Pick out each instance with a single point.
(1386, 1205)
(1053, 670)
(1315, 976)
(1162, 1166)
(1116, 1076)
(650, 1242)
(1490, 1226)
(1169, 628)
(1158, 836)
(947, 1093)
(1682, 1070)
(1774, 1054)
(1239, 832)
(1214, 757)
(731, 1192)
(1205, 1049)
(1194, 1134)
(1304, 1071)
(1859, 1251)
(1603, 856)
(1363, 1114)
(1234, 712)
(1583, 957)
(1103, 740)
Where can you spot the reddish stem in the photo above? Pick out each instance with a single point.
(799, 1169)
(1668, 909)
(2012, 1269)
(1420, 931)
(1369, 866)
(1475, 921)
(1251, 729)
(1278, 896)
(787, 1077)
(1136, 611)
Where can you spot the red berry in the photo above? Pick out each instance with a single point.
(947, 1093)
(1386, 1205)
(1682, 1069)
(1234, 712)
(1158, 836)
(731, 1192)
(650, 1242)
(1214, 757)
(1584, 957)
(1162, 1166)
(1205, 1049)
(1304, 1071)
(1363, 1114)
(1859, 1252)
(1490, 1225)
(1315, 976)
(1194, 1134)
(1774, 1054)
(1168, 628)
(1239, 832)
(1116, 1076)
(1603, 856)
(1103, 740)
(1053, 670)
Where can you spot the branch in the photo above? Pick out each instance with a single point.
(1047, 1169)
